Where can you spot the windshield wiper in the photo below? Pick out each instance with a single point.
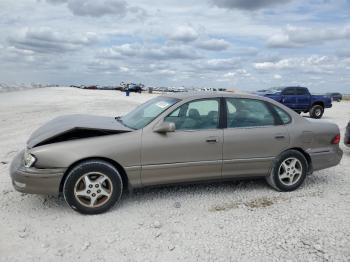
(120, 120)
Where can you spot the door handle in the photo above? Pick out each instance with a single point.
(211, 140)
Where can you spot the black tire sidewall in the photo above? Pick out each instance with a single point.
(86, 167)
(281, 158)
(313, 111)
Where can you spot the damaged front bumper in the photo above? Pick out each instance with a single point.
(35, 180)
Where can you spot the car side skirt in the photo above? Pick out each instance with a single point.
(247, 167)
(181, 172)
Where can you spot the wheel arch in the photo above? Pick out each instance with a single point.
(115, 164)
(306, 155)
(320, 103)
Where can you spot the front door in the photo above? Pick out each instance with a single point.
(289, 97)
(192, 153)
(253, 138)
(303, 98)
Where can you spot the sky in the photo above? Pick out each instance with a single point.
(245, 44)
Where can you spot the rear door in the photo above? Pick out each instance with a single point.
(303, 98)
(289, 97)
(254, 136)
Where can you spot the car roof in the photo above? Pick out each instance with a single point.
(208, 94)
(188, 96)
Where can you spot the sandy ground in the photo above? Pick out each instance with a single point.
(234, 221)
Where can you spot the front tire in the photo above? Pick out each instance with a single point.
(289, 171)
(93, 187)
(316, 111)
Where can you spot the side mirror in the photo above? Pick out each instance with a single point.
(165, 127)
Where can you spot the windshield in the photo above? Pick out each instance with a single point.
(147, 112)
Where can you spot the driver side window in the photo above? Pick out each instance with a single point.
(198, 114)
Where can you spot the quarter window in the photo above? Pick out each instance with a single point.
(283, 115)
(199, 114)
(245, 112)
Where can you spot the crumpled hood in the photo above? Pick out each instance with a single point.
(65, 124)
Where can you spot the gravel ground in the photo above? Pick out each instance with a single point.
(233, 221)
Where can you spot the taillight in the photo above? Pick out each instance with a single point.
(336, 140)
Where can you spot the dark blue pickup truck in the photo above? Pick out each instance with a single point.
(299, 99)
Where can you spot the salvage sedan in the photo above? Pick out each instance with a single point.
(187, 137)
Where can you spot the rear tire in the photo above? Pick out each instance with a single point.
(288, 172)
(93, 187)
(316, 111)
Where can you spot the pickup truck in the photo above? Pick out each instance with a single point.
(299, 99)
(335, 96)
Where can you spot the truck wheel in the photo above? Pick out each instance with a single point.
(316, 111)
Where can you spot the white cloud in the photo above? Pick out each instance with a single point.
(214, 44)
(248, 4)
(98, 8)
(299, 36)
(166, 52)
(237, 73)
(184, 34)
(124, 69)
(107, 67)
(311, 64)
(219, 64)
(277, 76)
(282, 64)
(281, 41)
(167, 72)
(46, 40)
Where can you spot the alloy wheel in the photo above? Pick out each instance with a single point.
(93, 189)
(290, 171)
(318, 112)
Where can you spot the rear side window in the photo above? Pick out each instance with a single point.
(302, 91)
(245, 112)
(288, 91)
(285, 118)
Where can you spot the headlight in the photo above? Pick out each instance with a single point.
(29, 159)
